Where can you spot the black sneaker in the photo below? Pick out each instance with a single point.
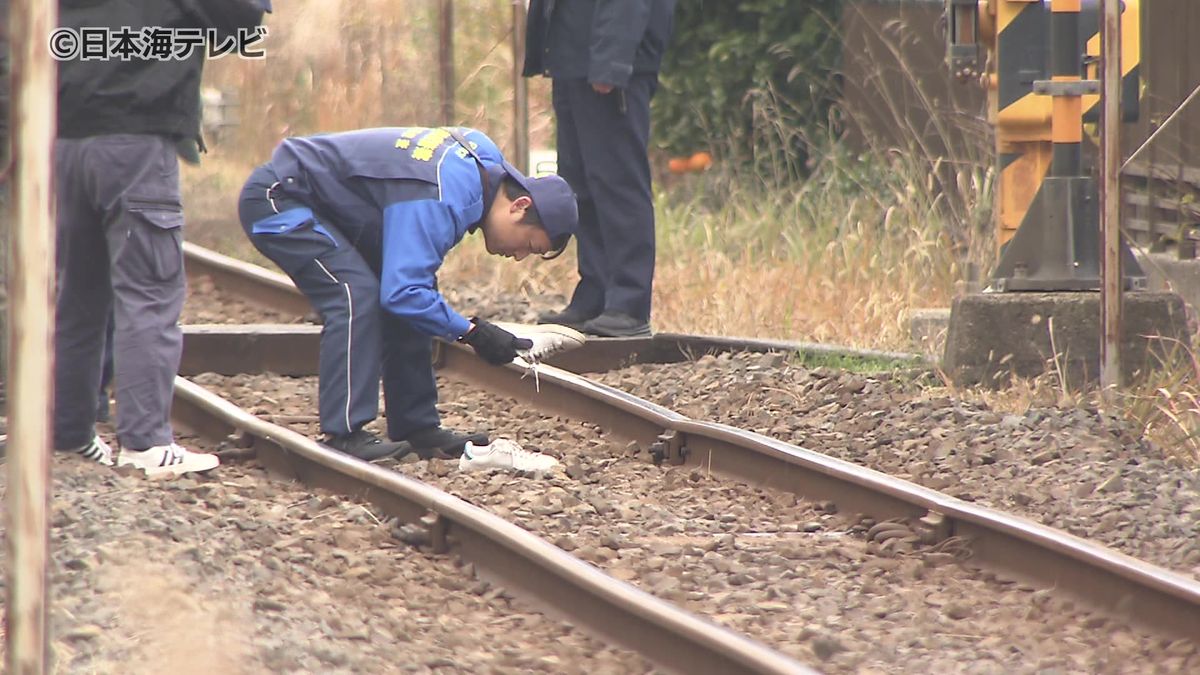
(439, 443)
(365, 445)
(617, 324)
(569, 317)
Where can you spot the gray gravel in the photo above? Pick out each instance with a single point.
(207, 303)
(1073, 469)
(238, 573)
(831, 589)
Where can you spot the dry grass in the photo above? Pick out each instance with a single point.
(1165, 404)
(333, 65)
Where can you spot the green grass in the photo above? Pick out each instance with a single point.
(852, 362)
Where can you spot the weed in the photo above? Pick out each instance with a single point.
(1163, 402)
(849, 361)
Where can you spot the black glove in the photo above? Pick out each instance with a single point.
(494, 344)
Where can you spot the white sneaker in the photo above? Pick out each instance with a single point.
(505, 455)
(162, 460)
(96, 450)
(547, 338)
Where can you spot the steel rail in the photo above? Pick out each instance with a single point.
(1098, 576)
(528, 565)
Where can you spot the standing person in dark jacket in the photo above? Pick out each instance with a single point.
(603, 57)
(120, 217)
(361, 221)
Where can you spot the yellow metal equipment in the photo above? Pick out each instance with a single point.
(1038, 61)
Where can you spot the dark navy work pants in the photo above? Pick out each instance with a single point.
(359, 340)
(602, 141)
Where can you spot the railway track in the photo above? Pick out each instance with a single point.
(1124, 587)
(823, 586)
(500, 551)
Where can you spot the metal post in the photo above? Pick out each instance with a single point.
(31, 347)
(446, 59)
(1111, 286)
(520, 158)
(5, 175)
(1066, 67)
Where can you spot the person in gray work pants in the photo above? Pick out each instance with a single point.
(120, 221)
(120, 241)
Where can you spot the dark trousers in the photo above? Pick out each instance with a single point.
(602, 142)
(119, 242)
(359, 340)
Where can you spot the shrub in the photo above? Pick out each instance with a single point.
(755, 74)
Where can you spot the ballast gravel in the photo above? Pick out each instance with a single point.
(209, 303)
(1077, 470)
(235, 572)
(842, 593)
(1074, 469)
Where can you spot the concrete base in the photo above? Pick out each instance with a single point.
(996, 336)
(927, 331)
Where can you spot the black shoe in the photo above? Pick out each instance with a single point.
(569, 317)
(439, 443)
(365, 445)
(617, 324)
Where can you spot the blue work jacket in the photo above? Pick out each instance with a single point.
(404, 196)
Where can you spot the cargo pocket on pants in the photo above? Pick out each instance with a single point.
(153, 247)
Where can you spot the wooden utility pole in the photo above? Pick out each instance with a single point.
(30, 286)
(446, 59)
(1112, 285)
(520, 157)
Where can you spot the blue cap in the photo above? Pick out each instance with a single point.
(555, 203)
